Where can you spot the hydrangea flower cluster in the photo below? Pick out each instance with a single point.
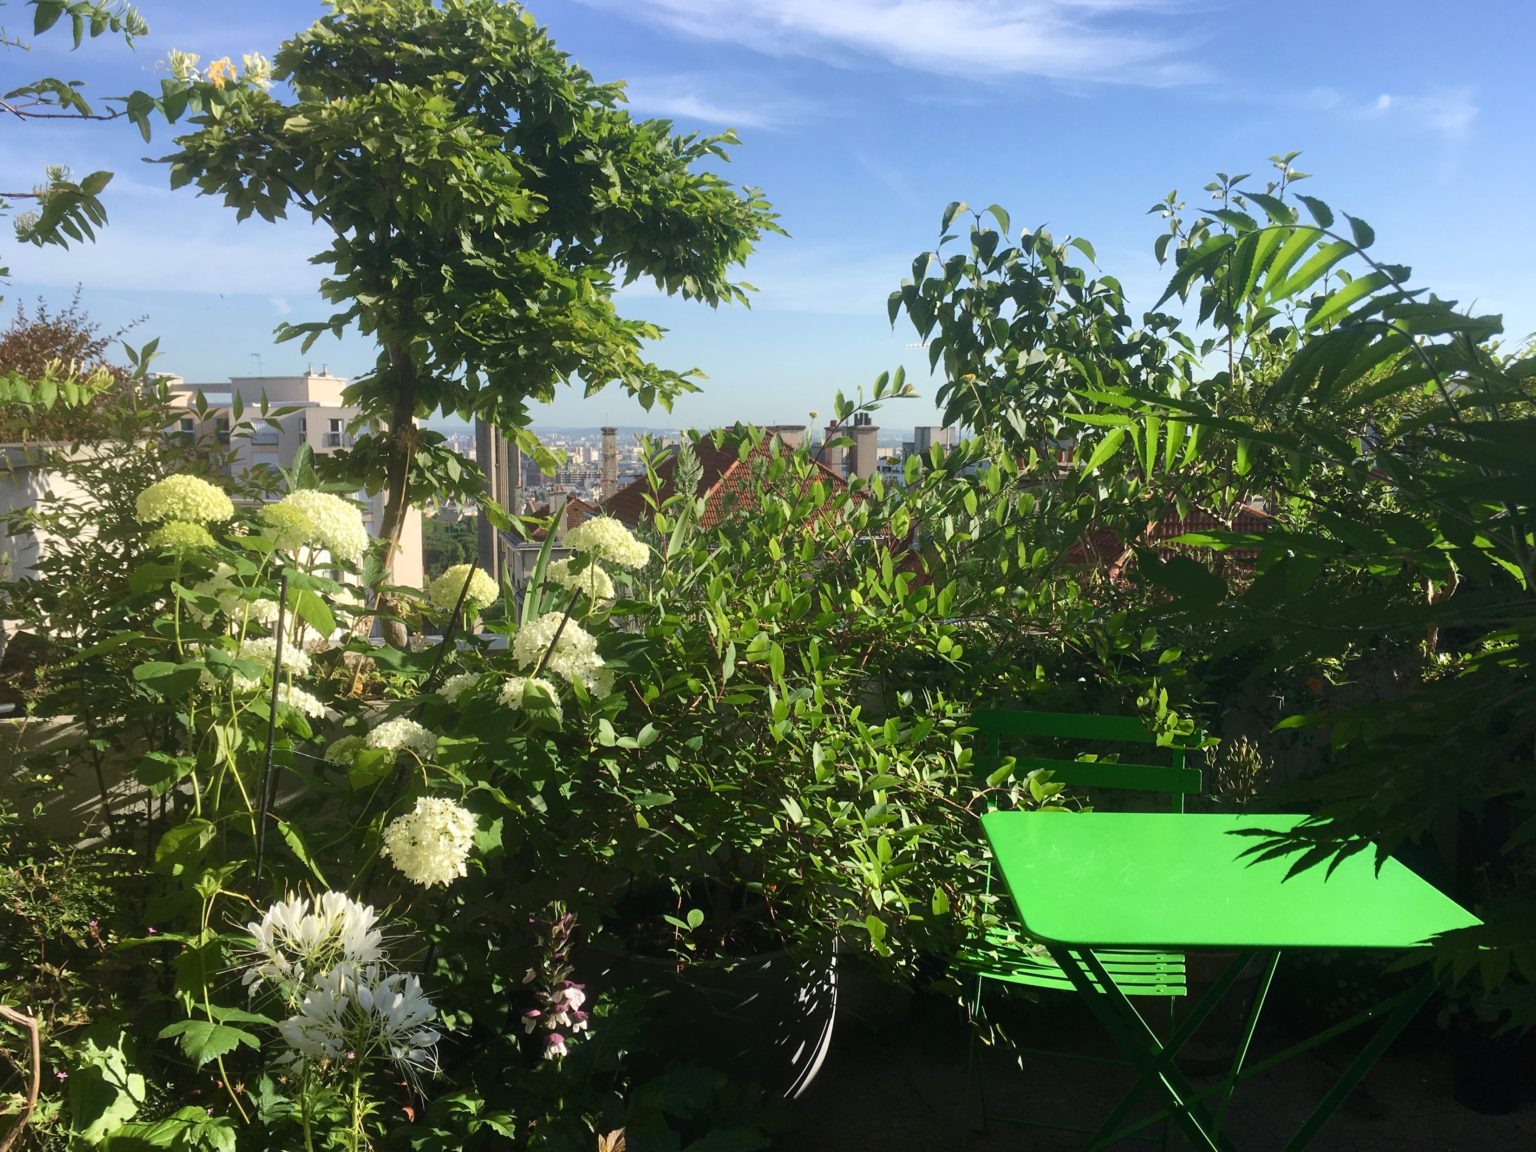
(186, 498)
(343, 752)
(305, 702)
(317, 520)
(455, 686)
(607, 539)
(444, 591)
(514, 688)
(430, 845)
(263, 650)
(572, 652)
(222, 587)
(181, 537)
(592, 580)
(402, 735)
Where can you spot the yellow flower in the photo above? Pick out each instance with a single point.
(221, 70)
(183, 498)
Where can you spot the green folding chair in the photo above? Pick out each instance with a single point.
(1005, 955)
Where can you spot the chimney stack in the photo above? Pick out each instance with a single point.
(833, 456)
(792, 436)
(866, 452)
(610, 464)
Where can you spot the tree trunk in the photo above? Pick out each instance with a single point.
(402, 437)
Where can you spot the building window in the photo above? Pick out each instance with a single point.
(303, 425)
(333, 437)
(221, 424)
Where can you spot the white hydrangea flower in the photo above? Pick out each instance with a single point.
(513, 688)
(359, 1012)
(187, 498)
(443, 593)
(607, 539)
(592, 580)
(305, 702)
(343, 752)
(263, 650)
(431, 844)
(317, 520)
(455, 686)
(294, 942)
(180, 537)
(403, 734)
(574, 658)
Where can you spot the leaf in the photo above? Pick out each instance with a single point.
(1000, 216)
(1106, 448)
(296, 842)
(182, 847)
(1363, 233)
(204, 1041)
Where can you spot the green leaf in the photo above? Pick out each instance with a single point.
(183, 846)
(204, 1041)
(1320, 211)
(295, 841)
(1363, 233)
(1106, 448)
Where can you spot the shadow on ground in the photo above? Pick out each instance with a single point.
(896, 1075)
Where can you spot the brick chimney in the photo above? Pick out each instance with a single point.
(833, 456)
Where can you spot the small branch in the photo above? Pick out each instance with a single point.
(34, 1080)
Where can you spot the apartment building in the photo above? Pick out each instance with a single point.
(313, 414)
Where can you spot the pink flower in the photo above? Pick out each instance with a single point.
(554, 1047)
(531, 1021)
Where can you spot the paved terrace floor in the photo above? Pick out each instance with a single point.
(895, 1080)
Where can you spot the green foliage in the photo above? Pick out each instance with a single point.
(487, 197)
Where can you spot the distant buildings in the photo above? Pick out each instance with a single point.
(315, 415)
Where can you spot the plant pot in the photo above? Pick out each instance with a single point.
(1488, 1068)
(765, 1020)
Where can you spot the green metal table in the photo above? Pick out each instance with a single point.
(1100, 880)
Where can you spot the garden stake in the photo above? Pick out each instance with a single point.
(266, 760)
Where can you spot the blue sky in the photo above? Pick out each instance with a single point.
(861, 119)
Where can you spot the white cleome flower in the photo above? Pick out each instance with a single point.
(592, 580)
(431, 844)
(514, 689)
(402, 734)
(455, 686)
(574, 657)
(606, 539)
(294, 942)
(443, 593)
(360, 1012)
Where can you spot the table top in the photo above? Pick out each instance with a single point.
(1164, 880)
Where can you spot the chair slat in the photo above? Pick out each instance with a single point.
(1066, 725)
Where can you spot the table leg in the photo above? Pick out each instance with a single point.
(1153, 1059)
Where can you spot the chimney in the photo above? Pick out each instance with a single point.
(792, 436)
(610, 464)
(833, 456)
(866, 452)
(557, 503)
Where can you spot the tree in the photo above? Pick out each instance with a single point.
(486, 198)
(69, 209)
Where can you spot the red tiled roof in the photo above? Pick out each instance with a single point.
(725, 483)
(1104, 548)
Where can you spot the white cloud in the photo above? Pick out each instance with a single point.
(1448, 113)
(1071, 40)
(686, 97)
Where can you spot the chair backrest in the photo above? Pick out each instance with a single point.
(999, 728)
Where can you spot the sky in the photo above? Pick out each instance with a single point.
(861, 120)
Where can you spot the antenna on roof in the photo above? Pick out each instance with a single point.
(257, 357)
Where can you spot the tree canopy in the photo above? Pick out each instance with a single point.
(486, 197)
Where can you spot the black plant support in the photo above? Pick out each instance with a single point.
(267, 781)
(453, 623)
